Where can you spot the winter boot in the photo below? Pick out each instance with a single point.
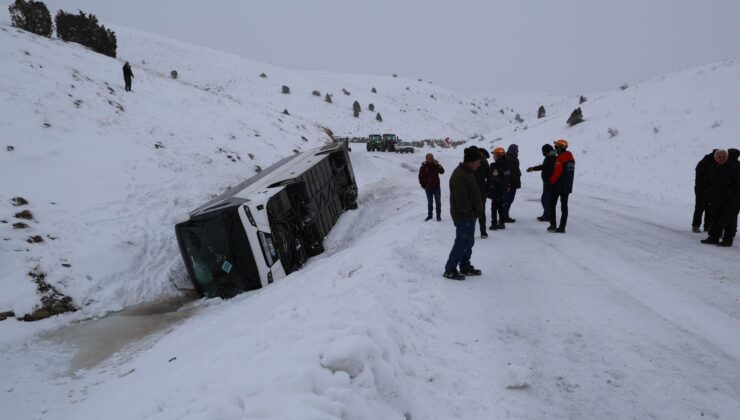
(725, 243)
(561, 229)
(501, 226)
(470, 271)
(483, 234)
(428, 218)
(552, 229)
(439, 218)
(695, 229)
(710, 241)
(510, 220)
(543, 218)
(453, 275)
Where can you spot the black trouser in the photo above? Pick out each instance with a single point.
(482, 217)
(498, 210)
(563, 196)
(434, 194)
(724, 221)
(701, 206)
(128, 83)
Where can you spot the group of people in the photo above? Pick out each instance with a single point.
(475, 180)
(717, 190)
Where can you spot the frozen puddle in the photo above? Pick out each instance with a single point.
(94, 341)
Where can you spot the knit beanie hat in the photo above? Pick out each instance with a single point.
(471, 154)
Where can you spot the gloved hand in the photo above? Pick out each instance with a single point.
(530, 169)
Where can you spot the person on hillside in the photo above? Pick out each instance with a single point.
(465, 207)
(724, 187)
(482, 175)
(548, 164)
(127, 76)
(498, 185)
(701, 186)
(512, 156)
(429, 180)
(561, 184)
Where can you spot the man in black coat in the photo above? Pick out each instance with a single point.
(548, 164)
(701, 186)
(465, 208)
(498, 185)
(429, 180)
(127, 76)
(512, 156)
(482, 175)
(724, 187)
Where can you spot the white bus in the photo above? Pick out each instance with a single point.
(269, 225)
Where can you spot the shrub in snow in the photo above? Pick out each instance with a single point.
(356, 108)
(501, 111)
(345, 91)
(373, 90)
(19, 201)
(316, 93)
(518, 118)
(378, 117)
(582, 99)
(624, 86)
(613, 132)
(173, 74)
(25, 215)
(327, 98)
(286, 90)
(84, 29)
(576, 117)
(371, 107)
(395, 75)
(9, 148)
(32, 16)
(263, 75)
(285, 112)
(541, 112)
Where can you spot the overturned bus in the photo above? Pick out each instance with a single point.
(269, 225)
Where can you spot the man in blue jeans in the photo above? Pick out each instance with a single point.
(429, 180)
(465, 208)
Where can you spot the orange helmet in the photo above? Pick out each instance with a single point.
(499, 151)
(562, 143)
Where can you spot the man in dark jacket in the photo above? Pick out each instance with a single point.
(561, 183)
(498, 185)
(701, 186)
(465, 208)
(429, 179)
(512, 156)
(127, 76)
(548, 164)
(482, 175)
(723, 191)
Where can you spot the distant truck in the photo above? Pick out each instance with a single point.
(269, 225)
(404, 148)
(374, 142)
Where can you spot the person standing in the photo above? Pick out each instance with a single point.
(512, 156)
(429, 179)
(701, 186)
(465, 208)
(561, 183)
(548, 164)
(482, 175)
(723, 198)
(127, 76)
(499, 184)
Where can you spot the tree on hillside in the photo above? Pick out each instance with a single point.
(32, 16)
(371, 107)
(541, 112)
(84, 29)
(378, 117)
(356, 108)
(327, 98)
(576, 117)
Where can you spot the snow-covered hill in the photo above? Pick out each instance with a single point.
(106, 172)
(626, 316)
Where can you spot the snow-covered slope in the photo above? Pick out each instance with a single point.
(663, 127)
(107, 172)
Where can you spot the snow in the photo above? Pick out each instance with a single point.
(625, 316)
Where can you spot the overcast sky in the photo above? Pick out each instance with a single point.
(473, 46)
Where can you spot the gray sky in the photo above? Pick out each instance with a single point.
(472, 46)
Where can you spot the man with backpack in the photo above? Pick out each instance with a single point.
(561, 184)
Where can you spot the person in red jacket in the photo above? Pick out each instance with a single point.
(561, 184)
(429, 179)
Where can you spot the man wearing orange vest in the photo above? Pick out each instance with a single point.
(561, 184)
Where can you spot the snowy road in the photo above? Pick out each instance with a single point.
(625, 316)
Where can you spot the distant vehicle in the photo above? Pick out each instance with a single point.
(402, 147)
(269, 225)
(389, 142)
(374, 142)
